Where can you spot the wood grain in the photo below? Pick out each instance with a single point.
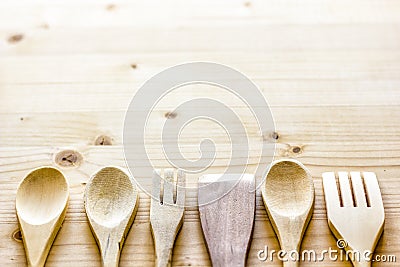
(330, 71)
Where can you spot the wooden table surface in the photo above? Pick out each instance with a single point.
(330, 71)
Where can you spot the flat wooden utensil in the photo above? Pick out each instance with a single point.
(166, 212)
(288, 197)
(355, 212)
(41, 203)
(111, 202)
(227, 208)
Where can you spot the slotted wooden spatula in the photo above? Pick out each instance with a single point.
(227, 206)
(355, 212)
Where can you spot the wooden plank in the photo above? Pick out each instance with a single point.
(279, 93)
(350, 125)
(274, 65)
(290, 37)
(121, 13)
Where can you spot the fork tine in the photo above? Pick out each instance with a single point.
(180, 192)
(345, 189)
(330, 190)
(358, 189)
(156, 184)
(373, 191)
(169, 185)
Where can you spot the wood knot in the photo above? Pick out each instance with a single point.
(287, 150)
(296, 149)
(15, 38)
(17, 235)
(274, 136)
(44, 26)
(103, 140)
(134, 66)
(247, 4)
(68, 158)
(111, 7)
(170, 115)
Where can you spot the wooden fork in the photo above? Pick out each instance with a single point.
(355, 213)
(166, 212)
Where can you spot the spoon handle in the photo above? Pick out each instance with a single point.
(361, 264)
(110, 253)
(163, 257)
(291, 264)
(291, 244)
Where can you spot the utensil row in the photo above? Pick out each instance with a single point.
(226, 206)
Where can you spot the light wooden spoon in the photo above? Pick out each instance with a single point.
(41, 204)
(289, 200)
(111, 202)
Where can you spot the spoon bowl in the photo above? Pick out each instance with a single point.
(107, 195)
(298, 188)
(111, 202)
(41, 204)
(289, 200)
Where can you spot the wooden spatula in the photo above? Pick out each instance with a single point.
(227, 206)
(355, 212)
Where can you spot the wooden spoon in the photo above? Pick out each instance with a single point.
(227, 208)
(289, 200)
(111, 202)
(41, 204)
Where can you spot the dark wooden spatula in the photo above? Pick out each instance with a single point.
(227, 206)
